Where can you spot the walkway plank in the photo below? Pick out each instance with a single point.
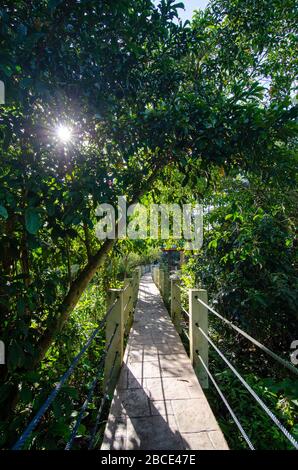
(158, 403)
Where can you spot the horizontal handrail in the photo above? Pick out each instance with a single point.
(103, 400)
(133, 283)
(129, 299)
(126, 287)
(185, 312)
(185, 333)
(90, 392)
(227, 405)
(183, 289)
(251, 339)
(182, 312)
(33, 423)
(251, 391)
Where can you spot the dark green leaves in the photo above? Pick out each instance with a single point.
(32, 220)
(26, 395)
(15, 355)
(5, 391)
(3, 212)
(53, 4)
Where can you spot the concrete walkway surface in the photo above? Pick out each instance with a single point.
(158, 403)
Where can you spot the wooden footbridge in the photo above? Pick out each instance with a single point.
(158, 402)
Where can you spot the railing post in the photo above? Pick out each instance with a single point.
(116, 317)
(176, 303)
(136, 283)
(128, 303)
(198, 344)
(154, 274)
(162, 282)
(166, 288)
(139, 271)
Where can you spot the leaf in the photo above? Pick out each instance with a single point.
(22, 29)
(26, 395)
(21, 305)
(294, 431)
(32, 220)
(81, 430)
(53, 4)
(60, 429)
(6, 69)
(3, 212)
(212, 244)
(72, 392)
(32, 377)
(57, 410)
(15, 356)
(5, 391)
(50, 209)
(179, 5)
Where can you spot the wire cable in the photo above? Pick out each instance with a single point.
(252, 392)
(90, 394)
(251, 339)
(183, 289)
(103, 400)
(185, 312)
(129, 299)
(127, 285)
(226, 403)
(33, 423)
(185, 333)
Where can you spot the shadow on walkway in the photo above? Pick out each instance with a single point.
(158, 403)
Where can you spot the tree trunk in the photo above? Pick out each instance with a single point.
(79, 285)
(73, 296)
(87, 242)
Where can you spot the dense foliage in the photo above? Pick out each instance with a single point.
(206, 106)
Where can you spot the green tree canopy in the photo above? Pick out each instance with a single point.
(143, 93)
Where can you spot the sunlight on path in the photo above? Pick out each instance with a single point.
(158, 402)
